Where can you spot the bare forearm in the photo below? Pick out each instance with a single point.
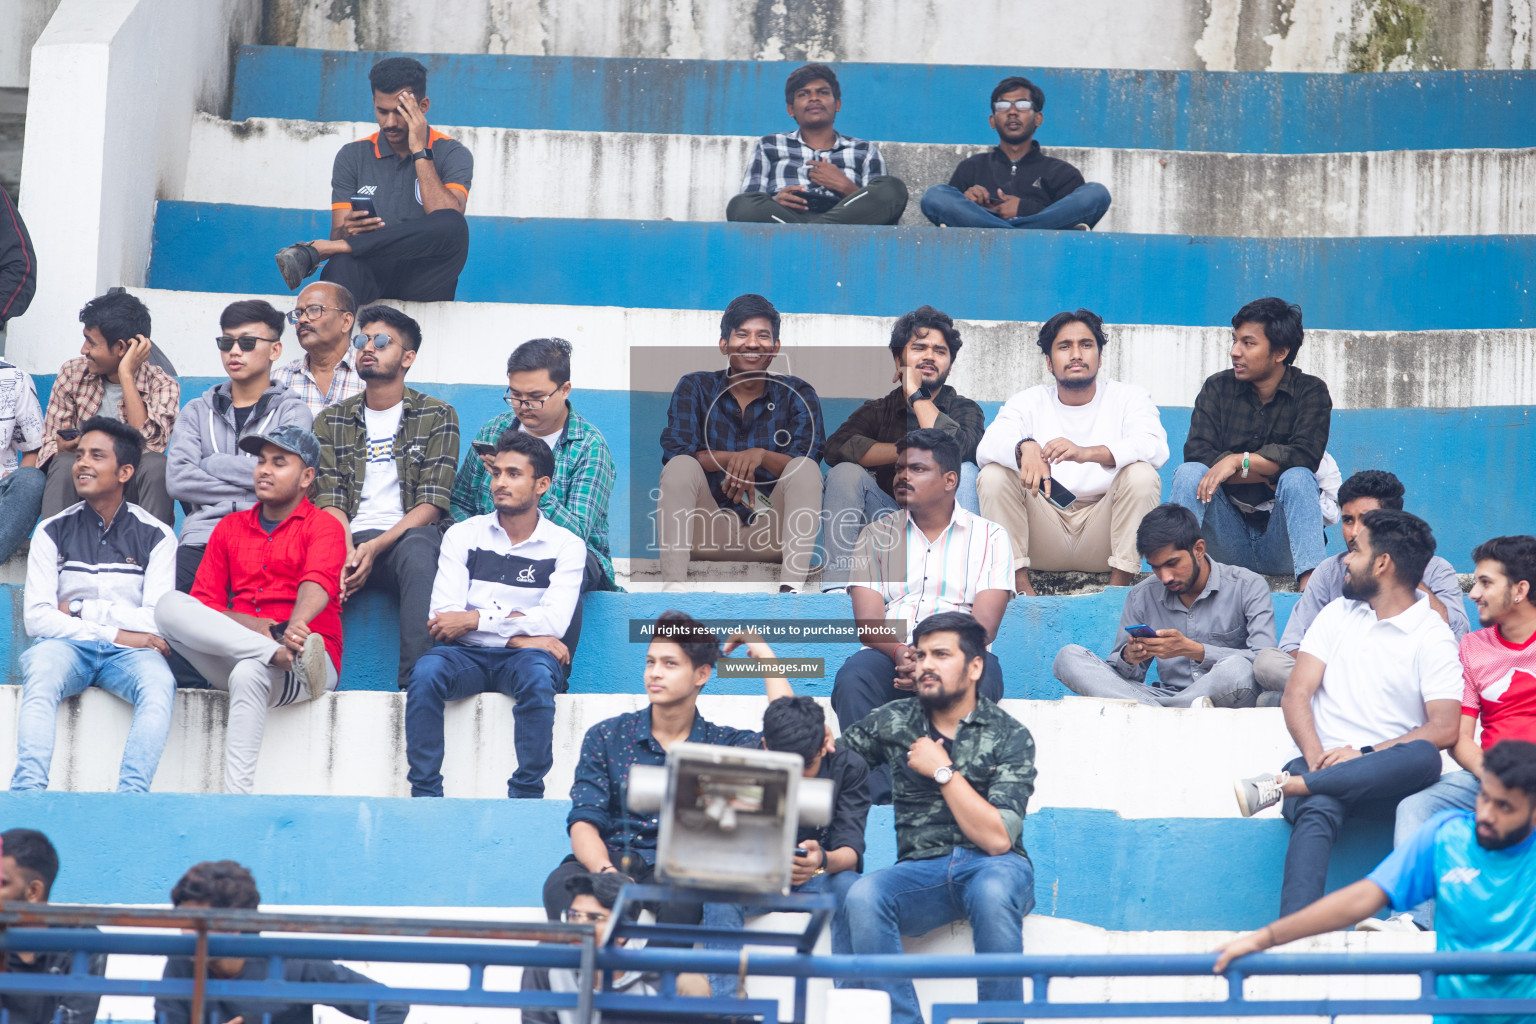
(926, 412)
(842, 859)
(776, 462)
(1297, 708)
(1337, 911)
(878, 454)
(311, 601)
(1099, 455)
(588, 846)
(135, 413)
(1468, 754)
(979, 820)
(434, 194)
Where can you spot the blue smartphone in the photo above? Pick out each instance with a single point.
(1142, 631)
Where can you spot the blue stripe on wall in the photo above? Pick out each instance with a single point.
(1090, 866)
(1376, 284)
(1235, 112)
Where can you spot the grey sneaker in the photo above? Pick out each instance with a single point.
(312, 664)
(1202, 702)
(1080, 226)
(1259, 792)
(1395, 923)
(296, 262)
(1270, 699)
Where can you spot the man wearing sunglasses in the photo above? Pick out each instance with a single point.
(323, 319)
(1015, 185)
(205, 468)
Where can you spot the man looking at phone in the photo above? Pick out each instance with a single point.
(813, 175)
(1070, 468)
(397, 210)
(1201, 620)
(323, 318)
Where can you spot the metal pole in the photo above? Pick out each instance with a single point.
(199, 973)
(585, 978)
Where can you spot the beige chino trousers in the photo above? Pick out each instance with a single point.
(1088, 536)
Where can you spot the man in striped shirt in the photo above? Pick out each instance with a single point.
(813, 175)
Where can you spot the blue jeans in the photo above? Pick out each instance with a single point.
(1291, 543)
(733, 915)
(1453, 792)
(851, 500)
(529, 676)
(945, 204)
(53, 670)
(21, 499)
(913, 897)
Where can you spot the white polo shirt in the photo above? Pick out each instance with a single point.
(1380, 672)
(480, 569)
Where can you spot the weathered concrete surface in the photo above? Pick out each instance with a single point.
(644, 176)
(1305, 35)
(21, 22)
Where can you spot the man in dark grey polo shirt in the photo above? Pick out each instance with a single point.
(1210, 621)
(413, 243)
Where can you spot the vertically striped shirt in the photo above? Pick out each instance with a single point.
(917, 577)
(296, 376)
(778, 162)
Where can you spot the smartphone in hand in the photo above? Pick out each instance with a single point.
(1142, 631)
(364, 204)
(1059, 495)
(483, 447)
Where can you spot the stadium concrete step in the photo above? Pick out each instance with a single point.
(649, 176)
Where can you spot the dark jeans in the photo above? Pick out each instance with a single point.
(1370, 785)
(530, 677)
(947, 205)
(418, 260)
(882, 201)
(188, 558)
(407, 569)
(146, 489)
(556, 898)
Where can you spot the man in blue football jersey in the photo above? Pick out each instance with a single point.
(1478, 865)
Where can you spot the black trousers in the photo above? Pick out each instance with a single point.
(418, 260)
(407, 570)
(556, 898)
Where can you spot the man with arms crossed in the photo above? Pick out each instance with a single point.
(326, 373)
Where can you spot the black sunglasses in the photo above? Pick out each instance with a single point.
(247, 342)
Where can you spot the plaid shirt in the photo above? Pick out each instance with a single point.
(1291, 430)
(426, 450)
(77, 395)
(704, 416)
(344, 383)
(888, 419)
(778, 162)
(578, 496)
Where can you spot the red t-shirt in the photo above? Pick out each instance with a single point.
(1500, 685)
(247, 570)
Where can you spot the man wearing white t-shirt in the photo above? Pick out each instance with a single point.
(1100, 440)
(1374, 698)
(387, 458)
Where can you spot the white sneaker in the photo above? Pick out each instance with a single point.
(1395, 923)
(1259, 792)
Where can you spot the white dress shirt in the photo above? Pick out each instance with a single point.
(480, 569)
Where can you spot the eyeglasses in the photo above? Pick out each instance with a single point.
(582, 917)
(519, 402)
(247, 342)
(1002, 106)
(310, 312)
(380, 341)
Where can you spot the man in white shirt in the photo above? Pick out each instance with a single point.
(1374, 698)
(1100, 440)
(21, 435)
(507, 585)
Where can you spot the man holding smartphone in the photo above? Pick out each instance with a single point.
(397, 209)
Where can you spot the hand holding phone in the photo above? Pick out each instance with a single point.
(1057, 494)
(1142, 631)
(801, 851)
(68, 434)
(483, 448)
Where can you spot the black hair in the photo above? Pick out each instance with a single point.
(550, 354)
(392, 74)
(127, 443)
(33, 853)
(1012, 82)
(604, 888)
(805, 75)
(699, 643)
(514, 440)
(1513, 763)
(222, 884)
(932, 319)
(1517, 554)
(342, 296)
(1404, 536)
(1167, 525)
(409, 329)
(744, 308)
(1373, 483)
(117, 315)
(1087, 317)
(795, 725)
(945, 449)
(973, 636)
(1281, 321)
(252, 311)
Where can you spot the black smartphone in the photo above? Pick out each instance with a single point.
(364, 204)
(483, 447)
(1142, 631)
(1059, 495)
(801, 851)
(68, 434)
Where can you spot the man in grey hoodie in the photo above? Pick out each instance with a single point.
(205, 467)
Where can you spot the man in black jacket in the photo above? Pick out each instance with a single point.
(27, 870)
(18, 262)
(1015, 185)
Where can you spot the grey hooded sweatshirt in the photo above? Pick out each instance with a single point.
(204, 465)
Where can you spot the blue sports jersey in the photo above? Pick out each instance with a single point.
(1485, 901)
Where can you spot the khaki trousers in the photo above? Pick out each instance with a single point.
(1089, 536)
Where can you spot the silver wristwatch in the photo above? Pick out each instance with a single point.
(944, 774)
(76, 607)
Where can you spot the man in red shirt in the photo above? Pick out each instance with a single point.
(274, 570)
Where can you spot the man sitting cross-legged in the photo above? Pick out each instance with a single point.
(507, 586)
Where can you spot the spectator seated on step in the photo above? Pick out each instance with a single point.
(21, 435)
(1205, 621)
(397, 202)
(1363, 492)
(206, 468)
(814, 175)
(326, 373)
(115, 376)
(507, 589)
(862, 452)
(27, 872)
(1014, 184)
(1098, 439)
(741, 452)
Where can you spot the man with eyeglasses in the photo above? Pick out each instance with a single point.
(1015, 185)
(386, 472)
(205, 467)
(326, 374)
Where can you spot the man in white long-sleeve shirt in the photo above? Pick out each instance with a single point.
(1101, 440)
(94, 573)
(507, 585)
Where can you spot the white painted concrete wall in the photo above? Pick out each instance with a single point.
(635, 176)
(21, 22)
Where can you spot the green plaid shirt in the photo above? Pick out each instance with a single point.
(426, 447)
(578, 496)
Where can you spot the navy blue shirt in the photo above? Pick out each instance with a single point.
(608, 751)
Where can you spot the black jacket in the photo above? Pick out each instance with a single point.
(38, 1009)
(18, 262)
(1038, 180)
(177, 1011)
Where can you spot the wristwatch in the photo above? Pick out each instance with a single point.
(944, 774)
(915, 396)
(422, 154)
(76, 607)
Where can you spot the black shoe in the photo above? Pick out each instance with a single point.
(297, 262)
